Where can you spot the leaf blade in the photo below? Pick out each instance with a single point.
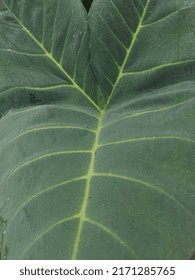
(75, 175)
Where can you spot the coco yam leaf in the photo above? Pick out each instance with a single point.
(97, 129)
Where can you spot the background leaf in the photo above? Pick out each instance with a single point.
(44, 52)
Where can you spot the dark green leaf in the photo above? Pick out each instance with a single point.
(97, 130)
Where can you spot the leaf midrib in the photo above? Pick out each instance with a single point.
(90, 174)
(49, 55)
(128, 52)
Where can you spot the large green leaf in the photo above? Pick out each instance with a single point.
(97, 131)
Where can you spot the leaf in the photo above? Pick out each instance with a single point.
(97, 132)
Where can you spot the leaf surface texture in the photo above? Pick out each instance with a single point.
(97, 129)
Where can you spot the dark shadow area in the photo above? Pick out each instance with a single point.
(87, 4)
